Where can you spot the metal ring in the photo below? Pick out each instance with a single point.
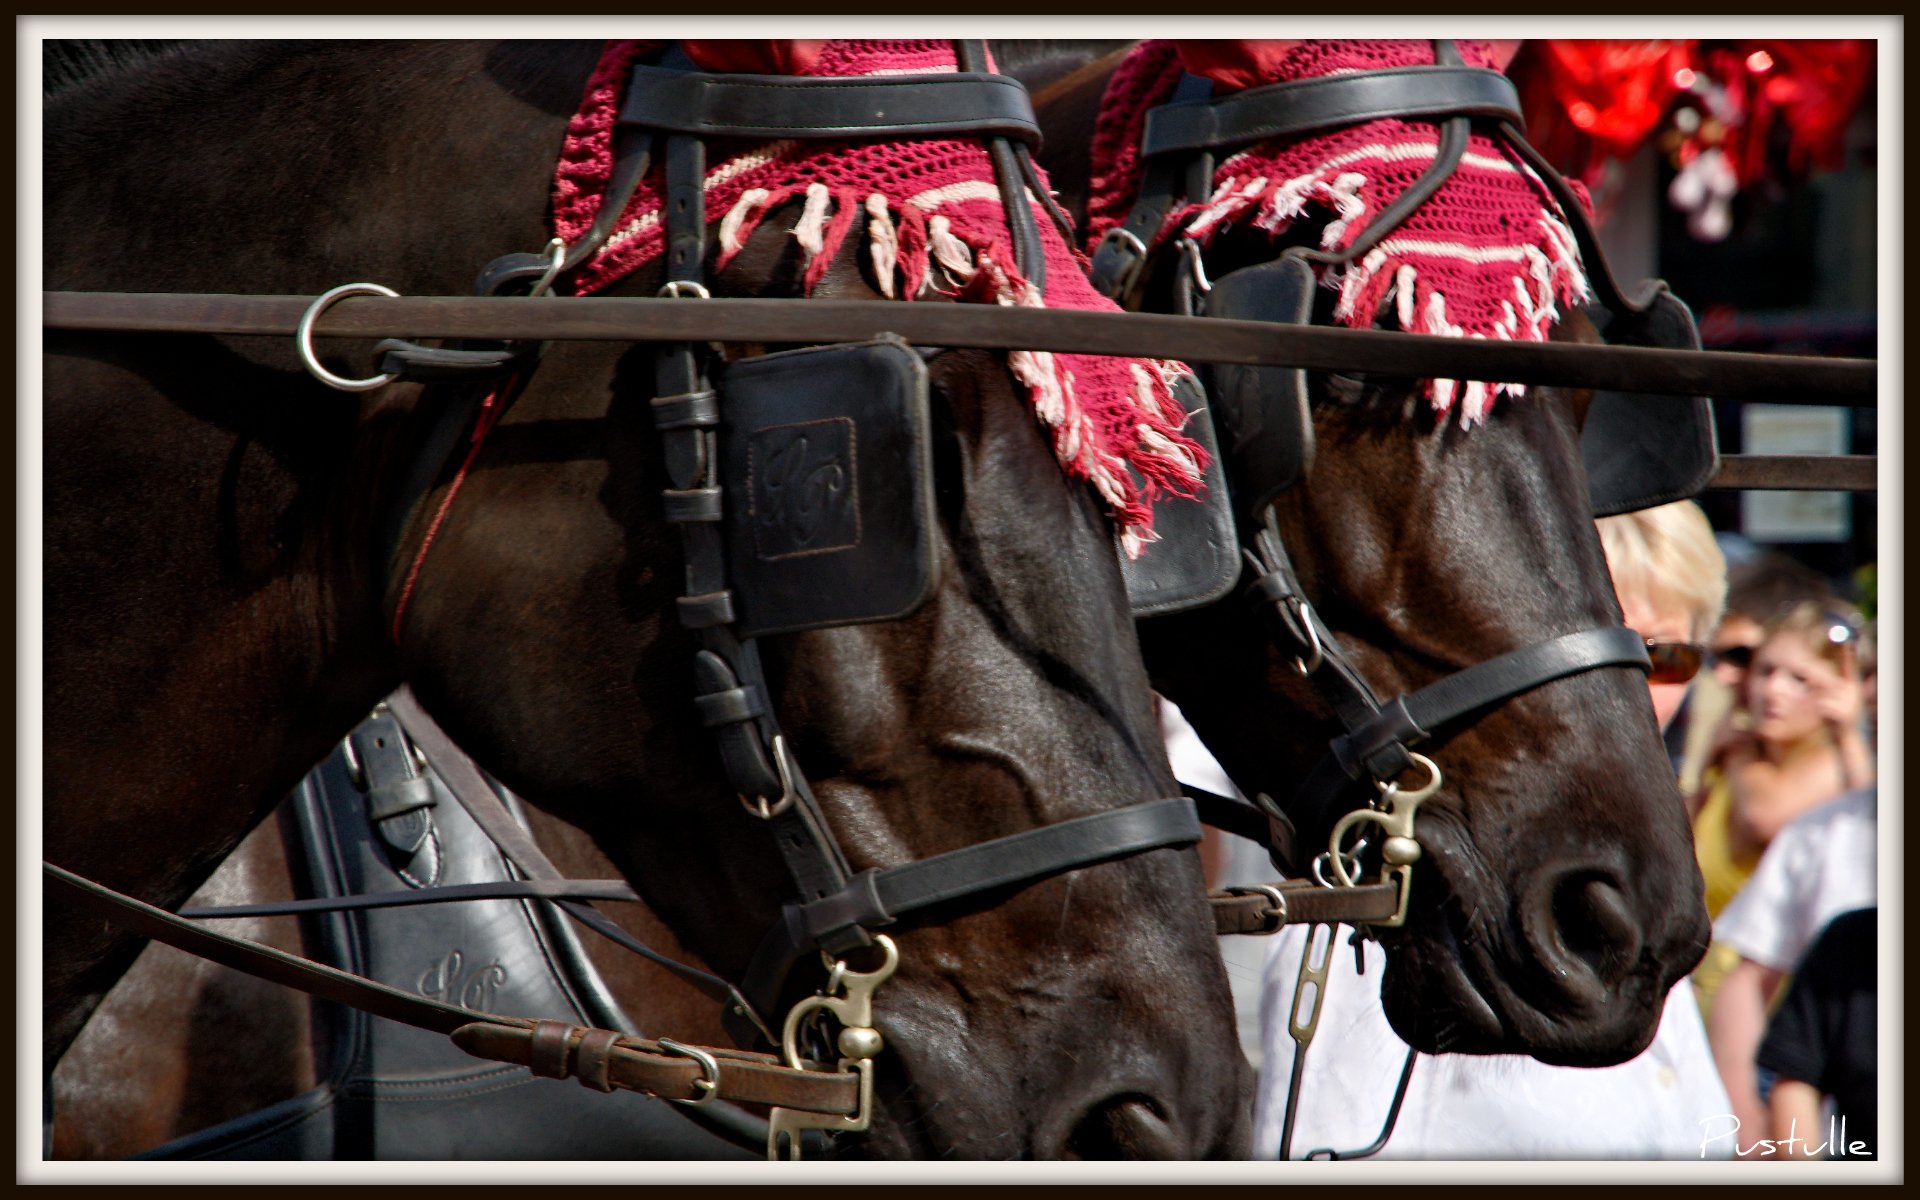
(303, 338)
(558, 249)
(709, 1085)
(1348, 871)
(675, 288)
(1320, 863)
(1191, 249)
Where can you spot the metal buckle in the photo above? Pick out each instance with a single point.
(679, 288)
(303, 338)
(710, 1084)
(1278, 916)
(1125, 239)
(1303, 618)
(859, 1041)
(758, 806)
(1123, 243)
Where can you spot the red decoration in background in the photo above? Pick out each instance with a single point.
(1816, 87)
(1615, 92)
(1714, 107)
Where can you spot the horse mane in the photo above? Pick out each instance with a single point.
(1012, 54)
(68, 63)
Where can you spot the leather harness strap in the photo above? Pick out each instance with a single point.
(567, 1051)
(877, 898)
(1305, 106)
(1387, 354)
(518, 889)
(965, 104)
(1254, 910)
(637, 1063)
(1120, 259)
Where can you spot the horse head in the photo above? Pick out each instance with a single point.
(1555, 898)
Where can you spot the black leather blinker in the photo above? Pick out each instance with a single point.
(1196, 557)
(1641, 450)
(1263, 411)
(829, 469)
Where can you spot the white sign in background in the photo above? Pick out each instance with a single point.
(1794, 516)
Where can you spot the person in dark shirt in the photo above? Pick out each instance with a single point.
(1822, 1042)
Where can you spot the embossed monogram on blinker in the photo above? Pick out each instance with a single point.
(804, 490)
(474, 992)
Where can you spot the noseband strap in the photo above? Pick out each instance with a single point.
(1376, 746)
(880, 897)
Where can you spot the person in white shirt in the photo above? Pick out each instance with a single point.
(1671, 580)
(1820, 865)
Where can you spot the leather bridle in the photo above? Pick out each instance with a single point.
(1353, 784)
(1323, 827)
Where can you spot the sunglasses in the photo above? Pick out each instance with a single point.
(1674, 662)
(1737, 657)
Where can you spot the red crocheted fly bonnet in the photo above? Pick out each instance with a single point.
(1487, 256)
(933, 222)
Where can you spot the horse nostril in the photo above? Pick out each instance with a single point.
(1126, 1126)
(1593, 925)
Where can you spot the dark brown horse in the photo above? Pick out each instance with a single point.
(218, 601)
(1558, 899)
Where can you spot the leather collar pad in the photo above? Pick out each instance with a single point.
(829, 486)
